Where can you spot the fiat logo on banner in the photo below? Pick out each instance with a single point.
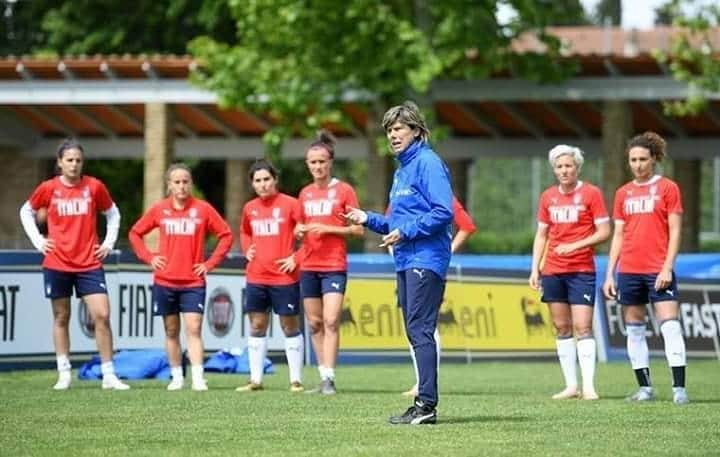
(87, 323)
(220, 311)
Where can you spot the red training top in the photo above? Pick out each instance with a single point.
(268, 223)
(570, 217)
(182, 240)
(71, 221)
(461, 218)
(326, 206)
(644, 210)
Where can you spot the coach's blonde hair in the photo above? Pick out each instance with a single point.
(409, 114)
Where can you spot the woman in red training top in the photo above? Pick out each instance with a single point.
(648, 220)
(572, 218)
(323, 274)
(178, 267)
(73, 256)
(266, 235)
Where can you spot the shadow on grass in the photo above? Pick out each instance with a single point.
(480, 419)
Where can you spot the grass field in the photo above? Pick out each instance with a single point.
(487, 408)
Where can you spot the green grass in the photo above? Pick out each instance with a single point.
(486, 409)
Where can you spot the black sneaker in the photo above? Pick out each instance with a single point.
(415, 415)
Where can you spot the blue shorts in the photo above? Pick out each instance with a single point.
(173, 300)
(315, 284)
(283, 300)
(639, 289)
(570, 288)
(59, 284)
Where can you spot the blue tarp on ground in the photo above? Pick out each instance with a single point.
(229, 362)
(153, 364)
(138, 364)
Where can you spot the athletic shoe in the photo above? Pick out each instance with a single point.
(296, 387)
(249, 387)
(415, 415)
(588, 394)
(199, 385)
(63, 382)
(644, 393)
(412, 392)
(680, 396)
(567, 393)
(111, 382)
(176, 384)
(327, 387)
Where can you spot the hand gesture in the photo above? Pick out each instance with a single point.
(355, 216)
(158, 262)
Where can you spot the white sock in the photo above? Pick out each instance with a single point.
(107, 369)
(63, 363)
(295, 352)
(637, 347)
(567, 355)
(330, 373)
(176, 372)
(674, 343)
(197, 372)
(586, 351)
(257, 348)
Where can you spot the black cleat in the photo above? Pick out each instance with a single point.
(416, 415)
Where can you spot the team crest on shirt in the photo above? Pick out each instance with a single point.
(276, 213)
(332, 193)
(193, 213)
(166, 212)
(577, 199)
(86, 192)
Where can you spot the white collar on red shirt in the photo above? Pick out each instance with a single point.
(652, 180)
(331, 183)
(577, 186)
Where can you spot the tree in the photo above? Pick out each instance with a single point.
(299, 62)
(104, 26)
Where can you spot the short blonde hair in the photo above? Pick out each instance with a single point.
(566, 150)
(409, 114)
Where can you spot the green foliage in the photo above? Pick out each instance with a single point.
(693, 58)
(486, 408)
(500, 243)
(298, 61)
(105, 26)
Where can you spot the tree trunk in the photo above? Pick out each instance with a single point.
(616, 129)
(379, 173)
(459, 175)
(688, 177)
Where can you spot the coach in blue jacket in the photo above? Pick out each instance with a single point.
(418, 228)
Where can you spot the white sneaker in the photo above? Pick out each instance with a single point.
(643, 394)
(200, 385)
(590, 394)
(112, 382)
(63, 382)
(176, 383)
(680, 396)
(567, 393)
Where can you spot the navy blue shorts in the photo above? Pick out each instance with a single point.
(570, 288)
(639, 289)
(283, 300)
(59, 284)
(173, 300)
(315, 284)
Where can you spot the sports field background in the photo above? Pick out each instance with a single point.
(486, 408)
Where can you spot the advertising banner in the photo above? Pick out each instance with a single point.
(26, 315)
(474, 316)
